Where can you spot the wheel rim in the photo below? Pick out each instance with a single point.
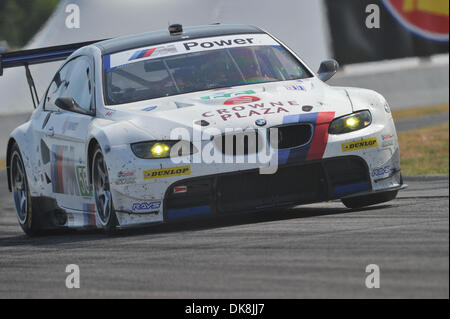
(19, 186)
(102, 192)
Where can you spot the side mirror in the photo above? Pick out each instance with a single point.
(327, 69)
(69, 104)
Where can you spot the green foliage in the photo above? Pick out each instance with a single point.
(21, 19)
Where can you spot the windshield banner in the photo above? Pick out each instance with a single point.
(188, 46)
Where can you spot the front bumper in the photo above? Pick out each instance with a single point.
(295, 184)
(246, 191)
(213, 189)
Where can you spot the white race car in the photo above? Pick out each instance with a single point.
(205, 121)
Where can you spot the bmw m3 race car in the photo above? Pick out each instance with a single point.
(200, 121)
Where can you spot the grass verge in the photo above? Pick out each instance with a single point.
(425, 151)
(419, 111)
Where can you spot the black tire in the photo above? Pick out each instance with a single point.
(367, 200)
(28, 212)
(104, 211)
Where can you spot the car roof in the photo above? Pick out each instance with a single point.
(163, 36)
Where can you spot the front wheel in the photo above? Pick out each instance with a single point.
(105, 214)
(371, 199)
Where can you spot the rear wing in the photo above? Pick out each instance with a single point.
(36, 56)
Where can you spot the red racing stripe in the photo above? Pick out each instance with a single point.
(320, 138)
(92, 210)
(148, 53)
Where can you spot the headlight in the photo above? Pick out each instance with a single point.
(350, 123)
(163, 149)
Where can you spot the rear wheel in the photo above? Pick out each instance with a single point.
(367, 200)
(29, 220)
(103, 199)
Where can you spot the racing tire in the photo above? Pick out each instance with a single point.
(27, 209)
(367, 200)
(104, 212)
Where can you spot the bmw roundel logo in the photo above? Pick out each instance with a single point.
(260, 122)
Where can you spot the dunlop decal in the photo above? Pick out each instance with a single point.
(167, 172)
(359, 145)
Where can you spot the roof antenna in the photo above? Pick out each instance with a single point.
(175, 29)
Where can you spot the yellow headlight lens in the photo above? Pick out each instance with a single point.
(163, 149)
(352, 122)
(160, 150)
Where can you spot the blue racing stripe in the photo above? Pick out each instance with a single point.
(191, 211)
(296, 154)
(135, 55)
(350, 189)
(107, 63)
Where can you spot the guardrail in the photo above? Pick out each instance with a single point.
(404, 83)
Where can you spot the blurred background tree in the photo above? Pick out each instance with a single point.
(21, 19)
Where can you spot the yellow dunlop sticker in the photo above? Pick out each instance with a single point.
(167, 172)
(359, 145)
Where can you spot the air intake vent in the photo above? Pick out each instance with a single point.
(294, 135)
(238, 144)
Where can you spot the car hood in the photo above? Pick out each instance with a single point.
(237, 107)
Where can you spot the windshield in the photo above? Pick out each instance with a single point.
(148, 73)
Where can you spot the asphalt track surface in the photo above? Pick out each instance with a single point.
(312, 251)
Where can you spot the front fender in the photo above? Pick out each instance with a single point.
(21, 136)
(108, 134)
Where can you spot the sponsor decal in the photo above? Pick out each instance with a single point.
(241, 100)
(179, 189)
(227, 95)
(167, 172)
(381, 171)
(425, 18)
(359, 145)
(109, 113)
(69, 126)
(125, 174)
(295, 87)
(218, 43)
(249, 110)
(112, 61)
(387, 140)
(150, 108)
(154, 52)
(307, 108)
(63, 173)
(124, 178)
(85, 189)
(146, 206)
